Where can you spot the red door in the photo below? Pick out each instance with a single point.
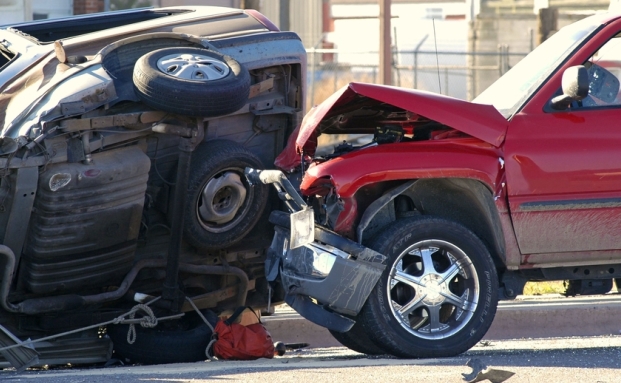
(564, 172)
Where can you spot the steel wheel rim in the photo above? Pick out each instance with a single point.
(223, 202)
(194, 67)
(433, 289)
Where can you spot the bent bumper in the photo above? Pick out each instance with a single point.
(324, 275)
(336, 279)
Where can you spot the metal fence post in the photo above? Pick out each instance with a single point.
(479, 71)
(499, 53)
(416, 49)
(415, 70)
(312, 77)
(335, 70)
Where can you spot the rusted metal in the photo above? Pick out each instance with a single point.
(170, 289)
(174, 129)
(261, 87)
(56, 303)
(242, 292)
(125, 120)
(211, 299)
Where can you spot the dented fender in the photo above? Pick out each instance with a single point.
(459, 158)
(465, 158)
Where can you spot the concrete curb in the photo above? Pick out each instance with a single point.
(542, 317)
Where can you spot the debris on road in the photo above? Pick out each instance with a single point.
(280, 348)
(481, 372)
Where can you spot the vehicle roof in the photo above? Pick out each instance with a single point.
(206, 21)
(606, 17)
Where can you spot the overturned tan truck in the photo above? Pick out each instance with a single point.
(123, 144)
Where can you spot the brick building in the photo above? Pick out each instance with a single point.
(81, 7)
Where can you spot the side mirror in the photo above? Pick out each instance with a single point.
(575, 87)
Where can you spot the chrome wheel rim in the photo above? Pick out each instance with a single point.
(188, 66)
(433, 289)
(221, 204)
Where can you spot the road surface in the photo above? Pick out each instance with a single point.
(563, 360)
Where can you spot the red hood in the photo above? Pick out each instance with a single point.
(481, 121)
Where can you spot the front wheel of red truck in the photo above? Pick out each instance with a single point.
(437, 296)
(358, 340)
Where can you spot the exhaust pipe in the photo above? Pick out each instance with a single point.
(37, 306)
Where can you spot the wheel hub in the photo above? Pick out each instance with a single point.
(433, 289)
(193, 67)
(221, 198)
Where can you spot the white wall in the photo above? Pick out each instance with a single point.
(305, 18)
(218, 3)
(17, 11)
(13, 11)
(53, 8)
(411, 22)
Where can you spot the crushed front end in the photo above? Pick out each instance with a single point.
(326, 277)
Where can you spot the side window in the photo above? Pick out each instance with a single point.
(6, 56)
(604, 69)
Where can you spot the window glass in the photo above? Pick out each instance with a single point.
(510, 91)
(6, 56)
(604, 69)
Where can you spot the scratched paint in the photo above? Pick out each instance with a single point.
(568, 230)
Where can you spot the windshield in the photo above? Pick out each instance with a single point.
(516, 86)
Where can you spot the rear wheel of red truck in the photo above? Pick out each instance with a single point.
(179, 341)
(437, 296)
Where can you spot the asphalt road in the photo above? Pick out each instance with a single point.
(526, 317)
(591, 359)
(529, 337)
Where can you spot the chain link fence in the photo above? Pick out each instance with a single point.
(458, 74)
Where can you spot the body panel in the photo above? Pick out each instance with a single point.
(564, 173)
(459, 158)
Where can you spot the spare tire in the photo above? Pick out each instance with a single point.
(222, 206)
(191, 81)
(181, 341)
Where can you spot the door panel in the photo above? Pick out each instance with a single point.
(564, 180)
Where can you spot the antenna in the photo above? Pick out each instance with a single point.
(435, 41)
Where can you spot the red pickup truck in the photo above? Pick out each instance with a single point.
(405, 243)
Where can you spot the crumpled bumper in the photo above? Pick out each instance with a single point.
(326, 277)
(333, 273)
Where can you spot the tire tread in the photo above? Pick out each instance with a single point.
(374, 320)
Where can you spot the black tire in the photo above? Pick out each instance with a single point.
(449, 267)
(194, 96)
(120, 62)
(216, 227)
(181, 341)
(358, 340)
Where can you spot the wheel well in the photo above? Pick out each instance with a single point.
(465, 201)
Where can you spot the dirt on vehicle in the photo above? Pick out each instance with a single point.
(122, 192)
